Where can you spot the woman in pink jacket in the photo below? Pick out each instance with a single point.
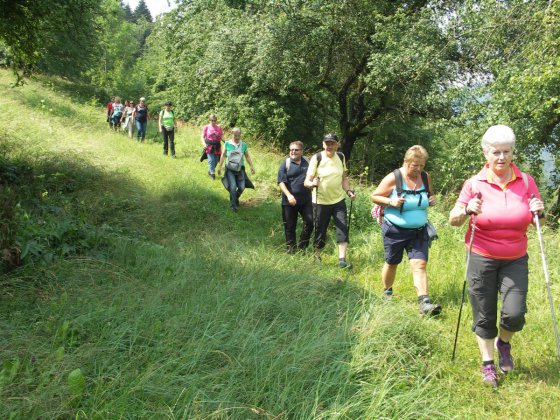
(499, 262)
(212, 138)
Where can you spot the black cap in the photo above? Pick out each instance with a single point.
(168, 103)
(330, 137)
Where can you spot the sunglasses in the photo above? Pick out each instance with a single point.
(295, 150)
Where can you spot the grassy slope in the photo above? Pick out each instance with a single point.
(184, 309)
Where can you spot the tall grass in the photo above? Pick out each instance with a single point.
(175, 307)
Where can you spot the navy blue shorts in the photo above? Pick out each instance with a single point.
(397, 239)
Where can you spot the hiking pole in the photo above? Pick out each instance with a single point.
(464, 282)
(315, 217)
(350, 215)
(545, 269)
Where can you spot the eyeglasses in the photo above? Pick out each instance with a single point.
(295, 150)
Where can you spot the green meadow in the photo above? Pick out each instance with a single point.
(142, 295)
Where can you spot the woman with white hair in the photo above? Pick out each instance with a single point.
(503, 199)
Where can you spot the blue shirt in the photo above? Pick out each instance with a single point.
(414, 210)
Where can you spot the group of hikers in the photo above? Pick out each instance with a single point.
(499, 202)
(129, 115)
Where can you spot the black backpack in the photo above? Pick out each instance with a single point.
(401, 192)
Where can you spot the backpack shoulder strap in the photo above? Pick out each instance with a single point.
(319, 156)
(288, 163)
(426, 183)
(398, 181)
(525, 180)
(342, 158)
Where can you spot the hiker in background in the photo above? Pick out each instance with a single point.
(235, 150)
(328, 177)
(127, 118)
(117, 113)
(498, 261)
(167, 125)
(404, 225)
(140, 116)
(296, 198)
(109, 110)
(212, 138)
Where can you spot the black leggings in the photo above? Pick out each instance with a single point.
(168, 137)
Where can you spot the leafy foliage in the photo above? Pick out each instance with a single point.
(50, 35)
(510, 52)
(292, 70)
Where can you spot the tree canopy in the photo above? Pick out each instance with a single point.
(384, 75)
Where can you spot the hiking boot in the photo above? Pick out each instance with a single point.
(388, 294)
(489, 375)
(505, 361)
(426, 307)
(342, 263)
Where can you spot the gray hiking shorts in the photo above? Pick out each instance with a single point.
(488, 277)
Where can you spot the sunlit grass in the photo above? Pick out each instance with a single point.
(182, 309)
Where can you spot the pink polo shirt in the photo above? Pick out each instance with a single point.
(502, 224)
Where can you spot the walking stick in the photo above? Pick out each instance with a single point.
(315, 211)
(464, 283)
(545, 269)
(350, 216)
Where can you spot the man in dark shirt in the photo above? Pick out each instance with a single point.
(296, 198)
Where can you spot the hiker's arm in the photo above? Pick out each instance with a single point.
(311, 181)
(458, 215)
(467, 204)
(432, 198)
(537, 206)
(221, 162)
(383, 191)
(159, 123)
(203, 136)
(288, 194)
(250, 162)
(346, 186)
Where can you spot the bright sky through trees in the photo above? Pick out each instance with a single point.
(156, 6)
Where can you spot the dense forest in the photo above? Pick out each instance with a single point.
(383, 74)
